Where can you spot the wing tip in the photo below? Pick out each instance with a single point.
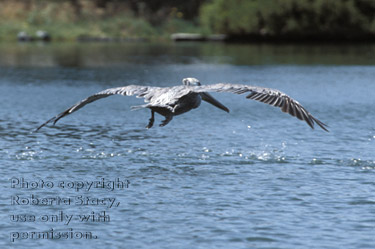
(44, 124)
(318, 122)
(54, 120)
(321, 125)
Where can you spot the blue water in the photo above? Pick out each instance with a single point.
(253, 178)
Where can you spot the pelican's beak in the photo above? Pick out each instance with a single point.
(207, 97)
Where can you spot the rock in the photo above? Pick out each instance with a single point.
(43, 35)
(187, 37)
(23, 36)
(197, 37)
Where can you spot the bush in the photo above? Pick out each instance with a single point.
(290, 17)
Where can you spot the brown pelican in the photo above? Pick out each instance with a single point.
(176, 100)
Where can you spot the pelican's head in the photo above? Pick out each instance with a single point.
(191, 82)
(204, 95)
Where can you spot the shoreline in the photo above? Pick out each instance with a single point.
(197, 37)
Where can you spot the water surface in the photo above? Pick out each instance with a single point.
(253, 178)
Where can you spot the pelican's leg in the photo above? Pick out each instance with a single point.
(166, 120)
(151, 120)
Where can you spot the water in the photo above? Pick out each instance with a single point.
(254, 178)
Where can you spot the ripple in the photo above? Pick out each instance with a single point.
(261, 156)
(362, 202)
(353, 162)
(357, 162)
(260, 239)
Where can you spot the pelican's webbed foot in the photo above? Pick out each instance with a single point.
(166, 121)
(151, 120)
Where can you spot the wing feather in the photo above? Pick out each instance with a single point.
(145, 92)
(263, 98)
(266, 95)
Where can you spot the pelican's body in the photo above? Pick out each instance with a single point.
(173, 107)
(176, 100)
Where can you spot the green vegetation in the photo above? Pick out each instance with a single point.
(326, 19)
(157, 19)
(72, 19)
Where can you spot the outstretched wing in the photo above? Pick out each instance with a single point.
(266, 95)
(146, 92)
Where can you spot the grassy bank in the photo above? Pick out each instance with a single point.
(248, 20)
(63, 22)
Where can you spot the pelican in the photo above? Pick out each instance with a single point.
(176, 100)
